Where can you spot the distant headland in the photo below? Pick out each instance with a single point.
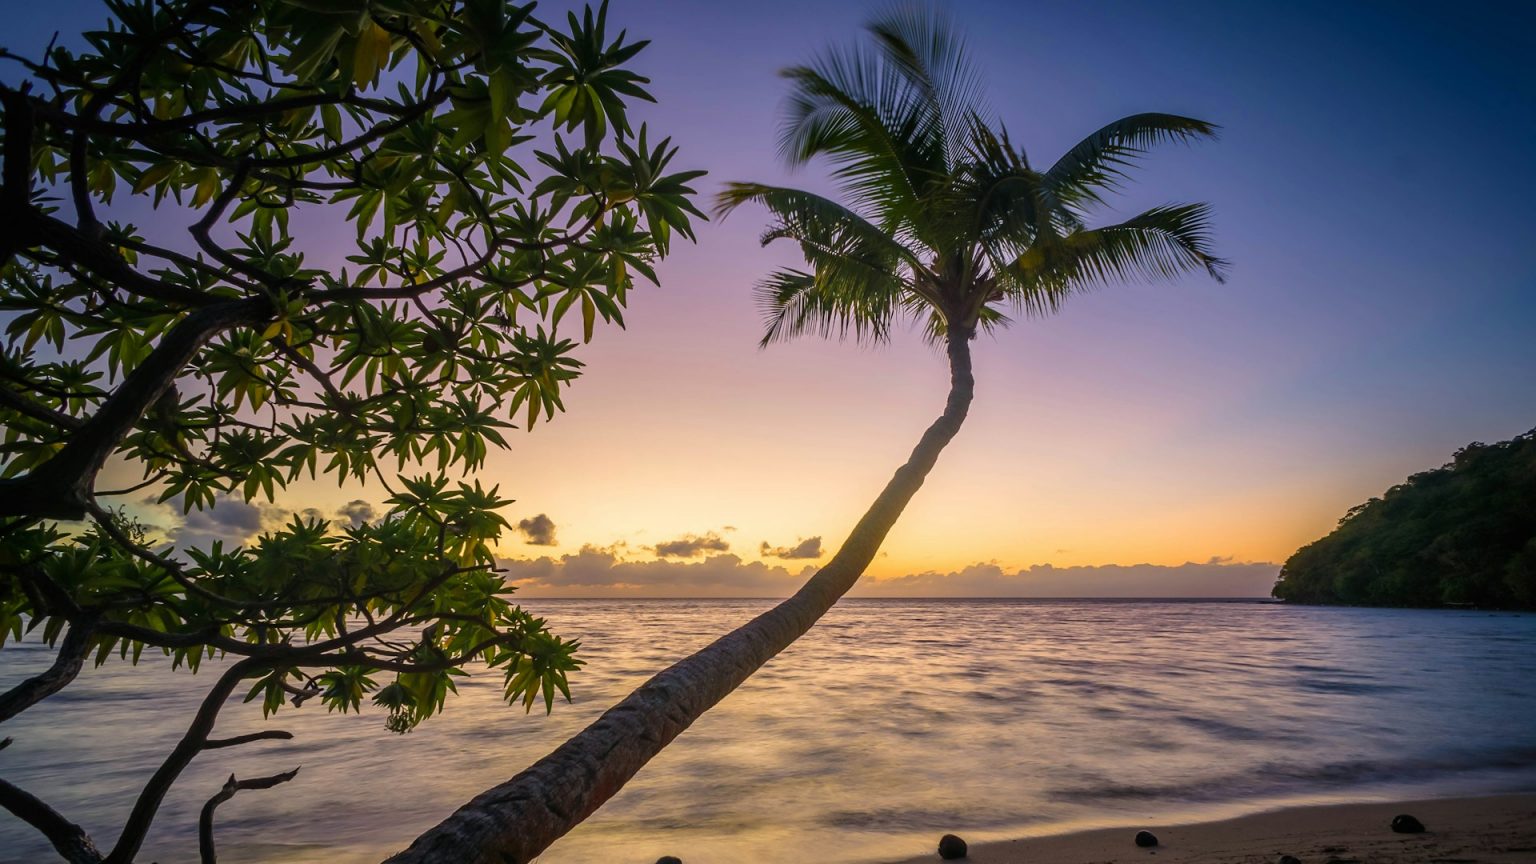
(1463, 534)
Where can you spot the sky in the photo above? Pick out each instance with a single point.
(1372, 185)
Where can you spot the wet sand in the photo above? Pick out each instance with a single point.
(1494, 830)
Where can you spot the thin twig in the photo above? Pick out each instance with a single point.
(266, 735)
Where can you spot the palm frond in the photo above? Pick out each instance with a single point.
(801, 215)
(855, 107)
(1006, 204)
(922, 44)
(828, 303)
(1161, 243)
(849, 108)
(845, 251)
(1098, 163)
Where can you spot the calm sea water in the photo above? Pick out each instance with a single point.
(891, 722)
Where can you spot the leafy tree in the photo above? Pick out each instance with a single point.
(480, 163)
(946, 222)
(1463, 534)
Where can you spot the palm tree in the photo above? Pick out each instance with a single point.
(946, 223)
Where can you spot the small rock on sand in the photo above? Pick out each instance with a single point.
(951, 847)
(1146, 839)
(1288, 859)
(1406, 824)
(669, 859)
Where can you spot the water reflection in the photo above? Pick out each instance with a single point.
(891, 722)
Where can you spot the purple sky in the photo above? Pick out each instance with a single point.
(1373, 186)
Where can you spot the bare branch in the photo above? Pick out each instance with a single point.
(200, 229)
(147, 129)
(24, 404)
(191, 743)
(16, 176)
(267, 735)
(231, 786)
(101, 260)
(80, 186)
(66, 665)
(186, 261)
(129, 490)
(68, 838)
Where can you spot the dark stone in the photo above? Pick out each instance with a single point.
(1288, 859)
(951, 847)
(669, 859)
(1146, 839)
(1406, 824)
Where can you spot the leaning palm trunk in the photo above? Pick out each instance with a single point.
(947, 221)
(515, 821)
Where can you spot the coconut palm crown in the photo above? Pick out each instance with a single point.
(947, 222)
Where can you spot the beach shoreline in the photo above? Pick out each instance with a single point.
(1497, 829)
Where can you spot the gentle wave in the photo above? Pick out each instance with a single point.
(891, 722)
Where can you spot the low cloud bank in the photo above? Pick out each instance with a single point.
(595, 572)
(1214, 578)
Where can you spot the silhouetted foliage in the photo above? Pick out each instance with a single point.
(1464, 533)
(486, 196)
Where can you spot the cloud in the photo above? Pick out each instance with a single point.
(595, 572)
(538, 531)
(807, 548)
(230, 521)
(598, 572)
(691, 546)
(237, 523)
(1214, 578)
(357, 512)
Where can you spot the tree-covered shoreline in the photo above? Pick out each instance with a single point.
(1463, 534)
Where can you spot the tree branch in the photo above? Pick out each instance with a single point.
(497, 244)
(66, 665)
(267, 735)
(23, 404)
(68, 838)
(16, 176)
(101, 260)
(231, 786)
(80, 186)
(403, 119)
(145, 129)
(61, 487)
(191, 743)
(201, 229)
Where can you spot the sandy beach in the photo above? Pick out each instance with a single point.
(1493, 830)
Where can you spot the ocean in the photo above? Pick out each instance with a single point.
(890, 723)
